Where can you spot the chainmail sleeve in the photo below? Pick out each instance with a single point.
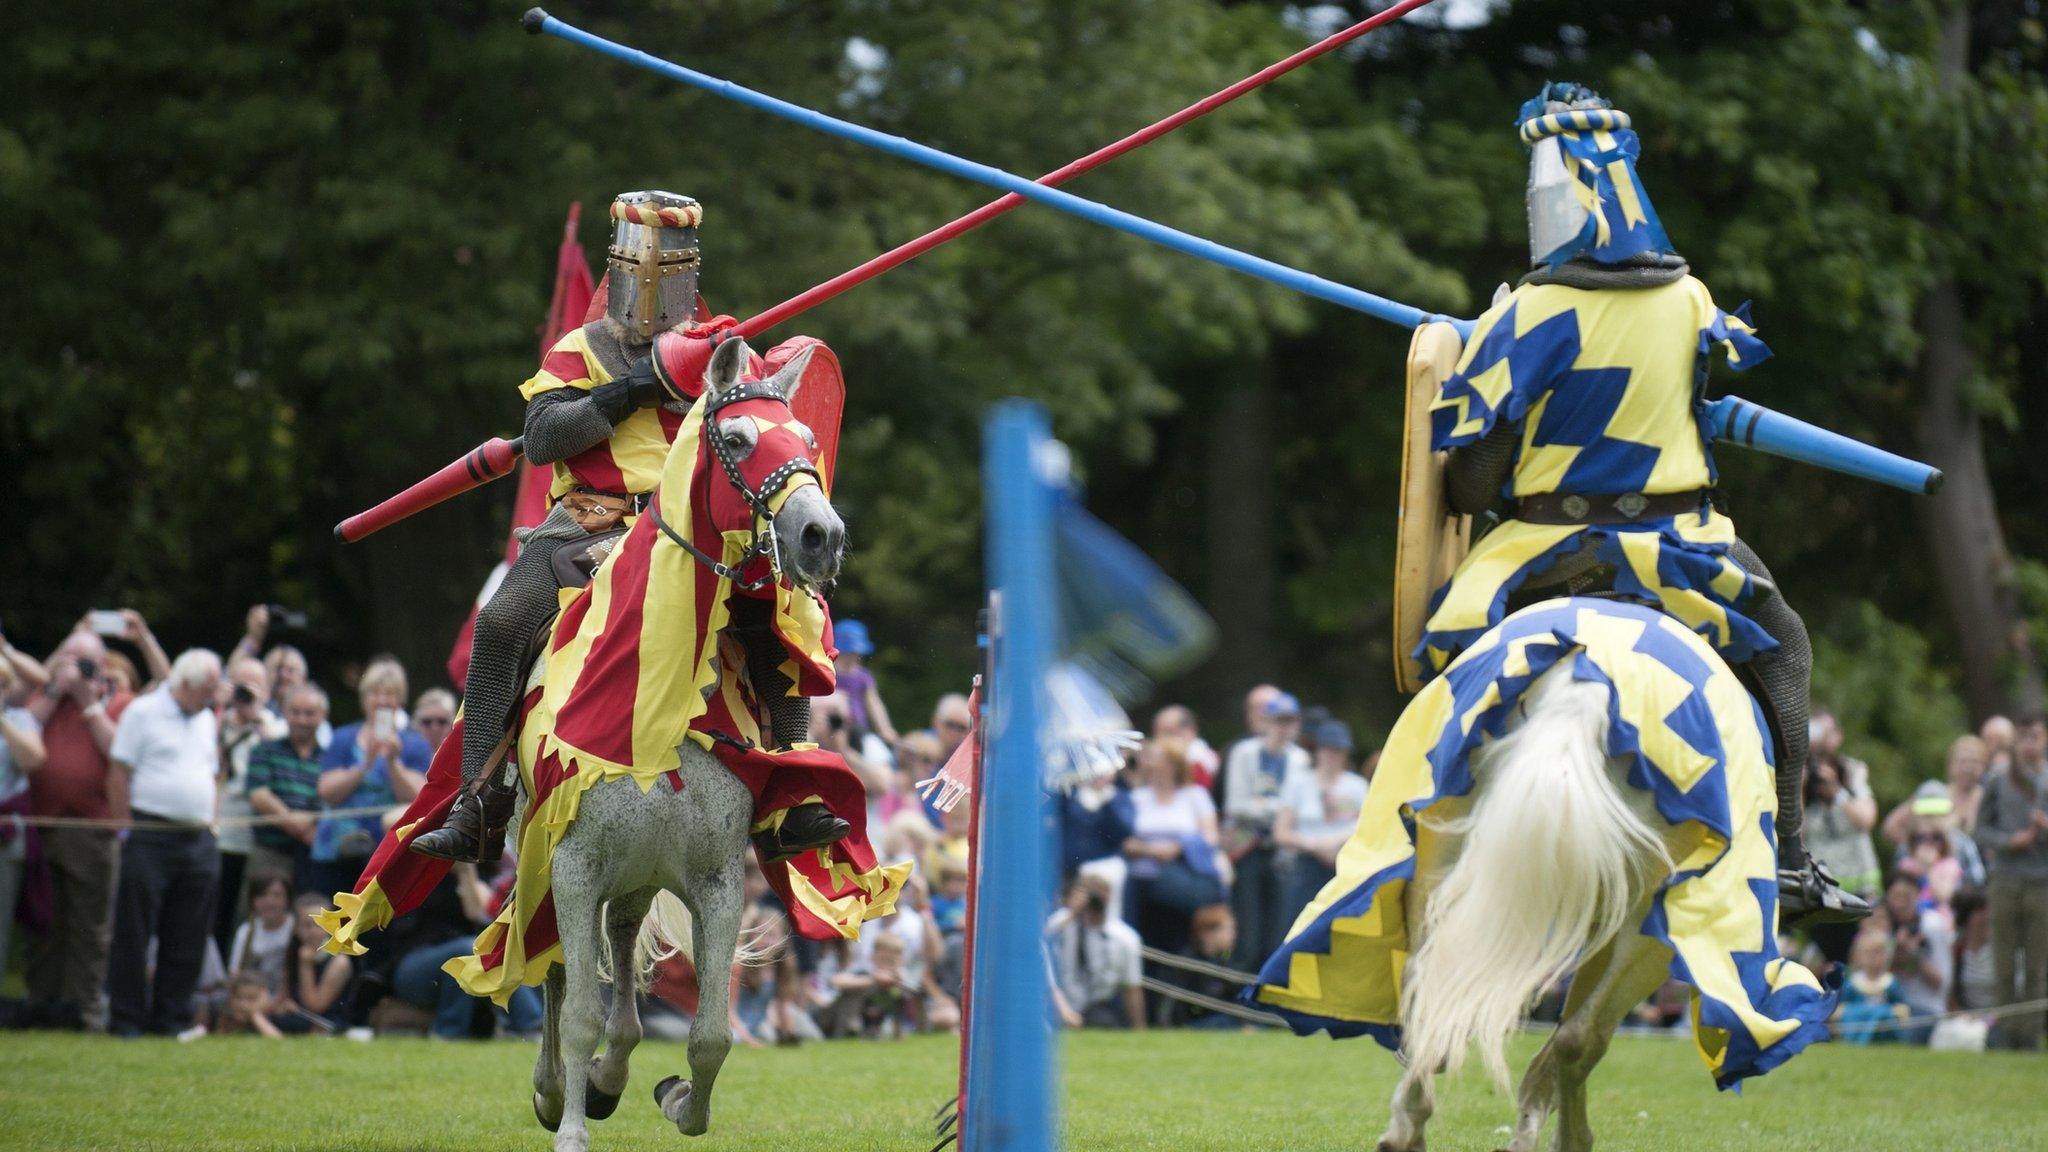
(561, 423)
(789, 716)
(1476, 471)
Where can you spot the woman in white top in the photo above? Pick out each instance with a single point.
(264, 940)
(1175, 867)
(1318, 813)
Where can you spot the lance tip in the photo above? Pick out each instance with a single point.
(534, 20)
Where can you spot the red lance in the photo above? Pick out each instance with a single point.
(497, 456)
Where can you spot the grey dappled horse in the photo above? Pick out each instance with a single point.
(624, 848)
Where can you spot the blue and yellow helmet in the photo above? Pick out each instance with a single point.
(1584, 195)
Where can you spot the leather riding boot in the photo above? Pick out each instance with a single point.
(804, 828)
(474, 832)
(1808, 893)
(460, 836)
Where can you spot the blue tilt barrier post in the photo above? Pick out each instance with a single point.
(1012, 1077)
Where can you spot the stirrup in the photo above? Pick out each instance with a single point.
(1809, 895)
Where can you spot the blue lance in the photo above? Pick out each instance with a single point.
(1732, 420)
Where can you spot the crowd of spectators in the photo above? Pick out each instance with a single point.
(207, 807)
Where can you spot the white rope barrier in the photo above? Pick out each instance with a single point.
(176, 826)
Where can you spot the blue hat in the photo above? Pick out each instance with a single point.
(1334, 734)
(852, 636)
(1283, 704)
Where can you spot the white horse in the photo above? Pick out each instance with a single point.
(1549, 872)
(624, 848)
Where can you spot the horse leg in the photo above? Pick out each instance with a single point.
(576, 914)
(1636, 967)
(1538, 1094)
(717, 908)
(1414, 1102)
(622, 1025)
(1415, 1096)
(547, 1067)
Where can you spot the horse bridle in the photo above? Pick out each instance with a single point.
(761, 540)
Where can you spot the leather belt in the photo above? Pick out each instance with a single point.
(1627, 508)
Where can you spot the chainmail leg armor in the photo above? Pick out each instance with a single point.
(505, 626)
(789, 716)
(1780, 679)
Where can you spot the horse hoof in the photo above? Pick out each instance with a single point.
(540, 1113)
(662, 1090)
(598, 1105)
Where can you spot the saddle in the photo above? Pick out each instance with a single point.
(574, 564)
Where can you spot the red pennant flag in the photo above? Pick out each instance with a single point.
(574, 293)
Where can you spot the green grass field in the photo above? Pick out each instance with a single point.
(1179, 1091)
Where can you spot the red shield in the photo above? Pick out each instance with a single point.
(820, 399)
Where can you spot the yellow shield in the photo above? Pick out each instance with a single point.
(1430, 541)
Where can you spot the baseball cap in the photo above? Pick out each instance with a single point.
(852, 636)
(1334, 734)
(1283, 704)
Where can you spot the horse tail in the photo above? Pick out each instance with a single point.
(668, 930)
(1554, 859)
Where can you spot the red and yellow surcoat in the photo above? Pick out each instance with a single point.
(631, 460)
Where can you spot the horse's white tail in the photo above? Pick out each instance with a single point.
(666, 931)
(1553, 861)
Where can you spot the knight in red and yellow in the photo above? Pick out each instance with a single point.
(690, 631)
(603, 413)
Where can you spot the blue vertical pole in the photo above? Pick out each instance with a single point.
(1012, 1077)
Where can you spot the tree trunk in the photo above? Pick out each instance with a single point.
(1978, 580)
(1239, 536)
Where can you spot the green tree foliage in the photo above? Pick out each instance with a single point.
(268, 274)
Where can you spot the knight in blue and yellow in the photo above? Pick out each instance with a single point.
(1575, 404)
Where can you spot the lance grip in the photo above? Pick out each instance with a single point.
(479, 466)
(1737, 421)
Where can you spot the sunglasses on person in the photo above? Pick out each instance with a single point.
(436, 721)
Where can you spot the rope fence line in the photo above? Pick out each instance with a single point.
(1222, 1007)
(112, 825)
(1220, 972)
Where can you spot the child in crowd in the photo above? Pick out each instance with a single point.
(1871, 997)
(788, 1019)
(864, 708)
(876, 996)
(265, 938)
(314, 981)
(1212, 940)
(949, 901)
(248, 1008)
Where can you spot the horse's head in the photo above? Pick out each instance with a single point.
(771, 483)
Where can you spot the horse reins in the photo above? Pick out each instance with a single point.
(761, 541)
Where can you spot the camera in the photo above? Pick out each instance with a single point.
(89, 669)
(836, 722)
(242, 697)
(283, 617)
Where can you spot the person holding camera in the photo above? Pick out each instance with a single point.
(1840, 812)
(78, 709)
(377, 762)
(245, 722)
(1096, 961)
(21, 756)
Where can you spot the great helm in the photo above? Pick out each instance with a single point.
(653, 262)
(1584, 194)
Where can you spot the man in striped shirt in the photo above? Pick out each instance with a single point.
(284, 783)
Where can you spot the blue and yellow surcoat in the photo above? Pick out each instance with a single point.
(1602, 385)
(1696, 743)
